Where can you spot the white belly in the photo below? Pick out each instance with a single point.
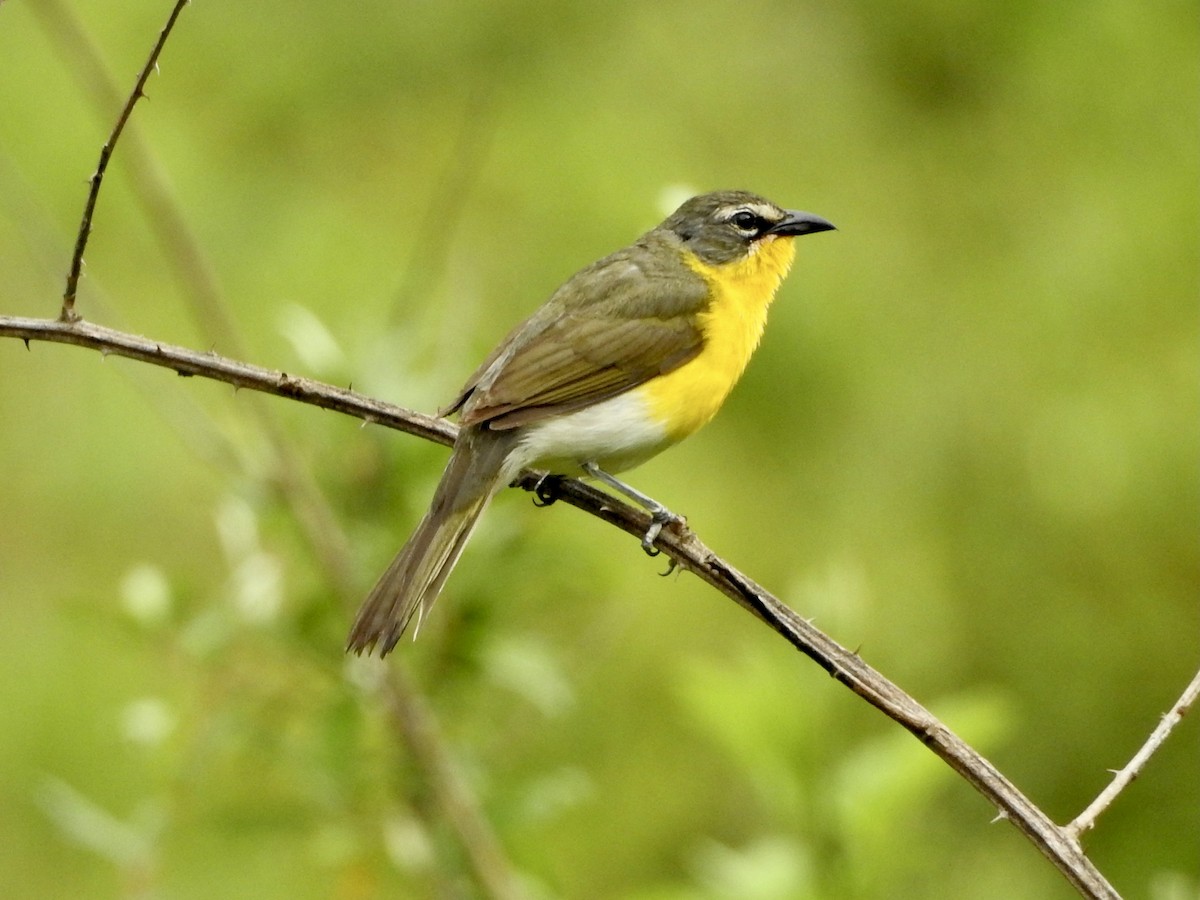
(615, 434)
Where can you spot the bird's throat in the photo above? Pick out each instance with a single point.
(732, 325)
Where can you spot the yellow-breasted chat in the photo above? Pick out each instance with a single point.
(631, 355)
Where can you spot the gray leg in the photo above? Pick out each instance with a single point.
(659, 514)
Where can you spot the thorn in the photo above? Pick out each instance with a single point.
(1000, 816)
(27, 347)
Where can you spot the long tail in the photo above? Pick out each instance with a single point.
(414, 579)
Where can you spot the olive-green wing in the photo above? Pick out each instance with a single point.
(613, 326)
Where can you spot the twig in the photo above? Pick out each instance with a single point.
(187, 362)
(151, 188)
(420, 733)
(293, 479)
(68, 313)
(1086, 820)
(199, 286)
(1059, 846)
(412, 721)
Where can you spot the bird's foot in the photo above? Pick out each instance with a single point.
(660, 517)
(547, 490)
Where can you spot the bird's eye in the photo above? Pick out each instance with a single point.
(746, 221)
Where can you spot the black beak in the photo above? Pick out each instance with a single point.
(796, 223)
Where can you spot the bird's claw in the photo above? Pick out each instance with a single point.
(650, 537)
(546, 491)
(658, 519)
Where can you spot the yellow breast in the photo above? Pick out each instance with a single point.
(732, 325)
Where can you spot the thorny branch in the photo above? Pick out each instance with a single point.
(85, 226)
(413, 722)
(1122, 778)
(1059, 844)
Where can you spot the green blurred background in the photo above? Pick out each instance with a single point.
(967, 447)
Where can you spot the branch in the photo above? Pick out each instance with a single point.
(1059, 845)
(185, 362)
(406, 708)
(420, 732)
(85, 226)
(195, 275)
(1086, 820)
(198, 283)
(412, 720)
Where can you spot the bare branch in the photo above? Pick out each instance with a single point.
(1056, 844)
(199, 285)
(684, 548)
(419, 731)
(68, 313)
(413, 722)
(1086, 820)
(187, 362)
(151, 188)
(292, 478)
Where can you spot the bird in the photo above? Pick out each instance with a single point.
(629, 356)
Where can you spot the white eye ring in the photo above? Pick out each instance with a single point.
(746, 222)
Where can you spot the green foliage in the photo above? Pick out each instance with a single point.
(967, 447)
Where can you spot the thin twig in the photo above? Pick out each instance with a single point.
(294, 480)
(151, 188)
(198, 283)
(413, 722)
(1060, 847)
(68, 313)
(187, 362)
(1086, 820)
(420, 732)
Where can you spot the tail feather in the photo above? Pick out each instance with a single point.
(415, 577)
